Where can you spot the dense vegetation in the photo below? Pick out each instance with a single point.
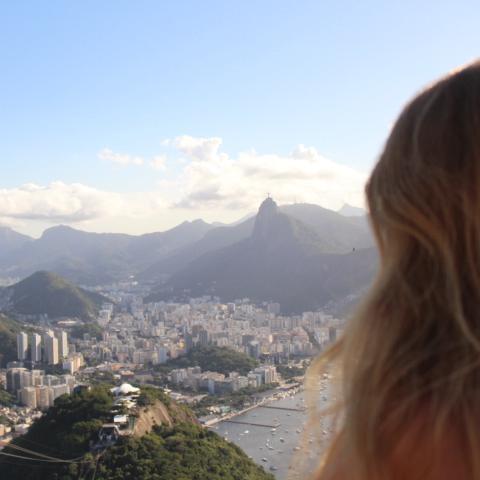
(290, 371)
(8, 339)
(71, 423)
(48, 293)
(93, 329)
(6, 398)
(215, 359)
(183, 451)
(148, 396)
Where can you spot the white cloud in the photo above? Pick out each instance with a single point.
(119, 158)
(198, 148)
(159, 162)
(72, 203)
(209, 184)
(213, 180)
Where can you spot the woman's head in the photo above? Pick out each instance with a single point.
(427, 178)
(414, 344)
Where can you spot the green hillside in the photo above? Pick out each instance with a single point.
(48, 293)
(215, 359)
(8, 339)
(186, 451)
(181, 451)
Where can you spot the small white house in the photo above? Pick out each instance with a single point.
(124, 389)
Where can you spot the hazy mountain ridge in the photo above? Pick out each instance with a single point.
(340, 235)
(295, 254)
(351, 211)
(96, 258)
(10, 240)
(48, 293)
(283, 260)
(217, 238)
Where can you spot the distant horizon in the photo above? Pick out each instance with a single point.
(215, 223)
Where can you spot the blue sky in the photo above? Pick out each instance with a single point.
(263, 76)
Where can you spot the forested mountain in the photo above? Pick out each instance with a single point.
(283, 260)
(8, 339)
(177, 448)
(48, 293)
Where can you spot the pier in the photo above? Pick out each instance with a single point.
(290, 409)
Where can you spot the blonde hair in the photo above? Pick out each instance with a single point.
(409, 361)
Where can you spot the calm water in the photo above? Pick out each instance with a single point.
(275, 450)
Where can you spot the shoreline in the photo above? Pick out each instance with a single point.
(294, 390)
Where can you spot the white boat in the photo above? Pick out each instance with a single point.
(264, 459)
(296, 449)
(273, 468)
(281, 439)
(246, 431)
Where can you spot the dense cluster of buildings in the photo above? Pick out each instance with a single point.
(138, 335)
(218, 384)
(155, 332)
(30, 385)
(19, 421)
(35, 389)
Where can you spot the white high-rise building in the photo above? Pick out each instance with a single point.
(36, 348)
(51, 349)
(62, 344)
(22, 346)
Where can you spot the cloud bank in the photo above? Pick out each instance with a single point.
(207, 183)
(212, 179)
(71, 203)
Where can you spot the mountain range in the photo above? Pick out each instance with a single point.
(283, 260)
(301, 255)
(92, 258)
